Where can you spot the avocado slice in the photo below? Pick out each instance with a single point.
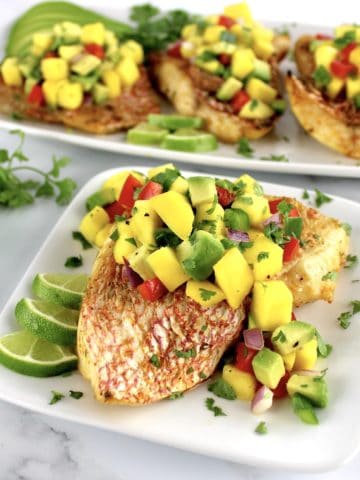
(100, 198)
(237, 219)
(199, 254)
(228, 89)
(288, 338)
(202, 190)
(268, 367)
(313, 388)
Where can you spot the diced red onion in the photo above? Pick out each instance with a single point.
(76, 58)
(238, 236)
(262, 401)
(253, 338)
(308, 373)
(128, 275)
(276, 218)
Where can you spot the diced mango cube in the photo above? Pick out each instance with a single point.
(133, 50)
(271, 304)
(212, 33)
(205, 293)
(212, 222)
(70, 95)
(160, 169)
(243, 383)
(335, 86)
(42, 40)
(128, 71)
(145, 221)
(256, 110)
(180, 185)
(240, 11)
(260, 90)
(67, 52)
(354, 56)
(243, 62)
(175, 211)
(189, 31)
(112, 80)
(167, 268)
(289, 361)
(93, 222)
(93, 33)
(265, 256)
(11, 73)
(265, 33)
(138, 262)
(103, 235)
(212, 19)
(324, 55)
(256, 206)
(247, 183)
(54, 69)
(116, 181)
(263, 48)
(234, 277)
(352, 87)
(306, 356)
(125, 245)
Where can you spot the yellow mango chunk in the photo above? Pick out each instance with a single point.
(133, 50)
(116, 181)
(42, 40)
(260, 90)
(124, 245)
(93, 33)
(243, 62)
(265, 256)
(248, 183)
(324, 55)
(256, 110)
(263, 48)
(54, 69)
(335, 86)
(67, 52)
(128, 71)
(289, 361)
(103, 235)
(243, 383)
(240, 11)
(167, 268)
(234, 277)
(352, 87)
(189, 31)
(354, 56)
(138, 262)
(212, 33)
(180, 185)
(306, 356)
(175, 211)
(93, 222)
(254, 234)
(203, 217)
(205, 293)
(271, 304)
(11, 73)
(70, 95)
(112, 80)
(256, 206)
(50, 89)
(160, 169)
(145, 221)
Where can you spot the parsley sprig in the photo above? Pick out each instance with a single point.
(16, 192)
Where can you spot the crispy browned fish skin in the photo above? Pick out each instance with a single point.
(325, 247)
(335, 124)
(119, 332)
(126, 111)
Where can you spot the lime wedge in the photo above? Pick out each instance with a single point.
(62, 288)
(48, 321)
(29, 355)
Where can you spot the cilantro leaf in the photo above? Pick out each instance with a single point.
(56, 397)
(356, 306)
(351, 261)
(344, 320)
(206, 294)
(66, 189)
(321, 198)
(131, 240)
(166, 178)
(244, 148)
(154, 359)
(186, 353)
(80, 237)
(217, 411)
(164, 237)
(304, 409)
(345, 40)
(74, 262)
(262, 256)
(330, 276)
(347, 227)
(281, 337)
(222, 389)
(176, 395)
(321, 77)
(75, 394)
(323, 349)
(275, 158)
(143, 13)
(305, 195)
(213, 206)
(261, 429)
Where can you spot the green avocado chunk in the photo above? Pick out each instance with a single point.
(288, 338)
(101, 198)
(228, 89)
(268, 367)
(261, 70)
(199, 254)
(313, 388)
(236, 219)
(100, 93)
(202, 190)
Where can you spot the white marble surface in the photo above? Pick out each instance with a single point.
(35, 447)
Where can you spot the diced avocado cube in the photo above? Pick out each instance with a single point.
(265, 256)
(100, 198)
(236, 219)
(87, 82)
(268, 367)
(100, 93)
(261, 70)
(202, 190)
(27, 65)
(205, 251)
(86, 64)
(313, 388)
(303, 408)
(228, 89)
(278, 105)
(68, 31)
(138, 262)
(180, 185)
(288, 338)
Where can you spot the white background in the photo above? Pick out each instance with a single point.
(35, 447)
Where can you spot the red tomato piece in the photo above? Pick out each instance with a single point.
(151, 189)
(95, 49)
(126, 198)
(225, 21)
(342, 69)
(51, 54)
(291, 249)
(225, 197)
(174, 50)
(36, 96)
(244, 357)
(152, 290)
(345, 52)
(293, 316)
(239, 100)
(323, 36)
(273, 205)
(294, 213)
(224, 58)
(280, 391)
(114, 209)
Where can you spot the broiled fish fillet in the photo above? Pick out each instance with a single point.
(119, 332)
(335, 123)
(126, 111)
(325, 247)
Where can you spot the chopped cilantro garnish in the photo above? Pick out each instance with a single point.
(80, 237)
(131, 240)
(262, 256)
(213, 206)
(189, 370)
(258, 189)
(74, 262)
(115, 235)
(345, 40)
(75, 394)
(176, 395)
(324, 349)
(202, 375)
(222, 389)
(208, 225)
(206, 294)
(351, 261)
(261, 429)
(164, 237)
(305, 195)
(344, 319)
(321, 77)
(206, 56)
(253, 104)
(227, 36)
(321, 198)
(244, 148)
(166, 178)
(56, 397)
(217, 411)
(281, 337)
(356, 306)
(154, 359)
(275, 158)
(204, 328)
(330, 276)
(284, 207)
(186, 353)
(347, 227)
(275, 233)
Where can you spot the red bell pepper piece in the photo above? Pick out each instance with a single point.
(151, 189)
(244, 357)
(174, 50)
(294, 213)
(225, 21)
(126, 198)
(225, 59)
(291, 249)
(280, 391)
(345, 52)
(239, 100)
(323, 36)
(51, 54)
(225, 197)
(36, 96)
(152, 290)
(342, 69)
(95, 49)
(293, 316)
(114, 209)
(273, 205)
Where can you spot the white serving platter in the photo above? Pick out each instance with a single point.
(186, 423)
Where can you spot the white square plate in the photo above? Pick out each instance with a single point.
(186, 423)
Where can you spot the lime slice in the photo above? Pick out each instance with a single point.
(48, 321)
(145, 134)
(189, 140)
(29, 355)
(62, 288)
(172, 122)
